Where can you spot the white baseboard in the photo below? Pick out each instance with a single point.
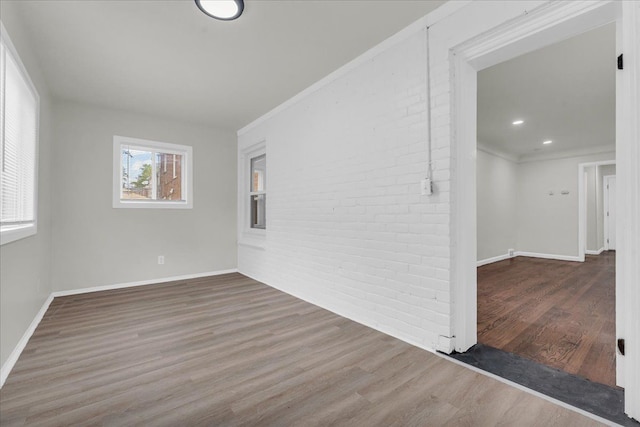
(598, 252)
(535, 255)
(549, 256)
(141, 283)
(445, 344)
(17, 351)
(15, 354)
(494, 259)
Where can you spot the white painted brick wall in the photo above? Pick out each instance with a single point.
(347, 228)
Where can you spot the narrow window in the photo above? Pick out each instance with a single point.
(257, 192)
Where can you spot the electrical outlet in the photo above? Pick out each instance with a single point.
(160, 259)
(511, 252)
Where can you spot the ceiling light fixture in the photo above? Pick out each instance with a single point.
(518, 122)
(225, 10)
(548, 141)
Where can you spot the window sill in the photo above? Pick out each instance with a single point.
(255, 244)
(118, 204)
(11, 233)
(254, 238)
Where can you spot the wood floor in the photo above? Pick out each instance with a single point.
(229, 351)
(559, 313)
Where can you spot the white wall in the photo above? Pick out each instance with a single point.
(550, 223)
(96, 244)
(347, 228)
(516, 211)
(25, 265)
(497, 196)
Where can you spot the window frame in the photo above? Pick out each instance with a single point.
(12, 232)
(253, 193)
(250, 236)
(153, 146)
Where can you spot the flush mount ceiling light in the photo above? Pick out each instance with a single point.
(225, 10)
(548, 141)
(518, 122)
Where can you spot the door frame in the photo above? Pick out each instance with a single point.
(605, 197)
(544, 25)
(582, 208)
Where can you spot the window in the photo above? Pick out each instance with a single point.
(252, 194)
(18, 157)
(257, 192)
(143, 180)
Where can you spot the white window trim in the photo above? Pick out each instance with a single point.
(187, 174)
(256, 193)
(249, 236)
(11, 233)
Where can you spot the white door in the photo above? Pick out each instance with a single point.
(610, 212)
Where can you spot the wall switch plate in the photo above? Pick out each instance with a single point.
(425, 187)
(160, 259)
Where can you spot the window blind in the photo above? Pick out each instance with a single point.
(19, 124)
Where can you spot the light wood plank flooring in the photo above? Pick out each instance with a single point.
(230, 351)
(559, 313)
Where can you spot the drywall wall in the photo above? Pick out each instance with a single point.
(96, 244)
(526, 208)
(25, 265)
(497, 194)
(549, 223)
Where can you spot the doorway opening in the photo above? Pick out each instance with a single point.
(543, 27)
(541, 116)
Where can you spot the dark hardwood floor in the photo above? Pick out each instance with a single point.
(559, 313)
(230, 351)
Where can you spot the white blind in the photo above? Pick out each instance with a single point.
(19, 124)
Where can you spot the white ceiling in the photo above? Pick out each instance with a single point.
(165, 57)
(564, 92)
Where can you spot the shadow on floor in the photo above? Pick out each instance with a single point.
(599, 399)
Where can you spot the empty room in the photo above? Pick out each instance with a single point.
(309, 212)
(541, 129)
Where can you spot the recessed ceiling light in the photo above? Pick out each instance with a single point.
(548, 141)
(225, 10)
(518, 122)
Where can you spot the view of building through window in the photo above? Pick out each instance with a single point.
(150, 175)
